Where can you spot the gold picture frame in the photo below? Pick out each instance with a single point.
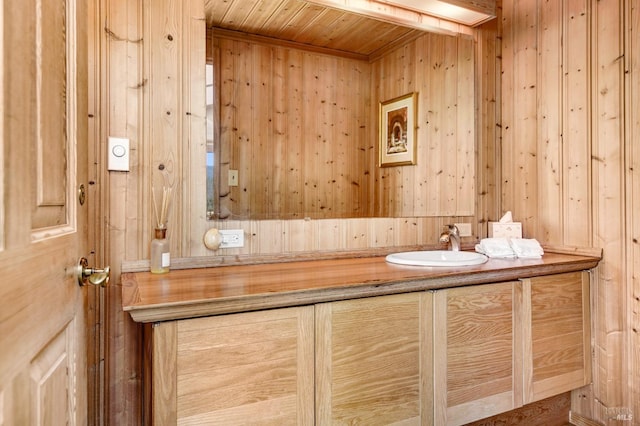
(397, 144)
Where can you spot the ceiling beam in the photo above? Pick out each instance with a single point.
(383, 10)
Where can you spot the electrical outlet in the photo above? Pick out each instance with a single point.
(464, 229)
(232, 238)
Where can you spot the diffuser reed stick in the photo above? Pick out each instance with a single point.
(161, 214)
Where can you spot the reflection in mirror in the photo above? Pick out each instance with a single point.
(210, 161)
(293, 130)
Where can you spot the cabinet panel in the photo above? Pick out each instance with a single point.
(373, 360)
(476, 369)
(252, 367)
(559, 337)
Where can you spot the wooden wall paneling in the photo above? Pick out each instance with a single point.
(550, 119)
(407, 230)
(357, 234)
(421, 61)
(449, 136)
(267, 236)
(294, 151)
(488, 63)
(434, 137)
(398, 88)
(223, 90)
(262, 141)
(326, 142)
(524, 160)
(407, 184)
(124, 200)
(164, 132)
(332, 234)
(576, 153)
(310, 133)
(466, 140)
(632, 118)
(364, 129)
(194, 138)
(611, 381)
(591, 160)
(507, 117)
(355, 179)
(280, 96)
(381, 82)
(382, 232)
(243, 127)
(300, 235)
(343, 155)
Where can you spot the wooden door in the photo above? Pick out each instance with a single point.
(251, 368)
(43, 123)
(557, 333)
(373, 359)
(476, 368)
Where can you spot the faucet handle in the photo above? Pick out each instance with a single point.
(452, 228)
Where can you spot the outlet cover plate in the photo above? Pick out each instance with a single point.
(232, 238)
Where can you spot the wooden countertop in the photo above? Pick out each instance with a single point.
(191, 293)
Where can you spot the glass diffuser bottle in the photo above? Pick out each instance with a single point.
(160, 255)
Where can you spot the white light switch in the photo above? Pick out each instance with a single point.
(118, 154)
(233, 178)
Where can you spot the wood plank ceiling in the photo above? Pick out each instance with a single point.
(308, 24)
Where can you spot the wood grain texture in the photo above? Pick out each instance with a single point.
(593, 164)
(475, 352)
(127, 198)
(300, 128)
(235, 369)
(560, 334)
(210, 291)
(369, 360)
(552, 411)
(43, 319)
(632, 42)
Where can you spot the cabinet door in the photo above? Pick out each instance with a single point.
(557, 352)
(373, 361)
(249, 368)
(476, 371)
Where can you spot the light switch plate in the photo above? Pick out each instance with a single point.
(118, 154)
(233, 178)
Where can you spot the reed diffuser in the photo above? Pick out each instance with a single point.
(160, 255)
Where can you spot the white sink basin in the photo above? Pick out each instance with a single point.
(437, 258)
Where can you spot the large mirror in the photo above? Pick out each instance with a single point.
(294, 96)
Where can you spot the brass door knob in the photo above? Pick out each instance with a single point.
(93, 276)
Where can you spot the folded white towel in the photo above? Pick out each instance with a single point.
(495, 247)
(526, 248)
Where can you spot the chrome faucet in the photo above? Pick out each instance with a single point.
(452, 236)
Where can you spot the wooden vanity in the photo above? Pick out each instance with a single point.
(362, 341)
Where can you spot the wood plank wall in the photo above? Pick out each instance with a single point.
(440, 69)
(301, 129)
(559, 148)
(297, 127)
(446, 151)
(632, 234)
(569, 126)
(141, 88)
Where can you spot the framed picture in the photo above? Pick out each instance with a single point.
(398, 131)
